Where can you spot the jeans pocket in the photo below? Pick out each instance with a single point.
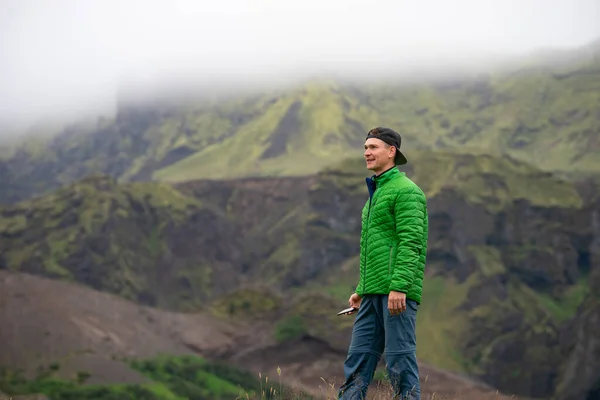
(412, 305)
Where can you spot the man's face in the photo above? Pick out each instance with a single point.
(378, 155)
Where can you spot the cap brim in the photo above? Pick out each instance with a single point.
(400, 158)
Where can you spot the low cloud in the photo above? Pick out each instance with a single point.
(69, 57)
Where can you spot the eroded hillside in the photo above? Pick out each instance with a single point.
(91, 344)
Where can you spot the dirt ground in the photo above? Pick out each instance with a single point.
(45, 321)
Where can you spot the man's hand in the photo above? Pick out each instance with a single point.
(396, 302)
(354, 300)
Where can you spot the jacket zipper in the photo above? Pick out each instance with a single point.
(367, 243)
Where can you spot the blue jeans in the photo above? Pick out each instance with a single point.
(374, 332)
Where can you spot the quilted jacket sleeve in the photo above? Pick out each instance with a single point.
(359, 286)
(410, 210)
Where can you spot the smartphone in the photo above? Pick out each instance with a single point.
(350, 310)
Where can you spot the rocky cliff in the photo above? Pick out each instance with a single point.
(580, 357)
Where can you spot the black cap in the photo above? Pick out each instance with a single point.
(392, 138)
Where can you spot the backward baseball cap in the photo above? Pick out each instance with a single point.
(390, 137)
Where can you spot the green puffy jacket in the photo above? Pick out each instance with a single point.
(393, 243)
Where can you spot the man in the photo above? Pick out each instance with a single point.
(393, 249)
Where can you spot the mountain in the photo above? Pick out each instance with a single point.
(177, 223)
(544, 115)
(511, 250)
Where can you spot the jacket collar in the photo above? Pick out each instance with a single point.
(386, 176)
(379, 181)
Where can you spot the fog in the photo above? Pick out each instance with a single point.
(69, 57)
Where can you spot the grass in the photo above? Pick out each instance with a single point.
(170, 378)
(184, 378)
(194, 377)
(379, 389)
(14, 384)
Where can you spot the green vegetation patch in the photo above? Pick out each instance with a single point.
(489, 260)
(247, 303)
(13, 383)
(172, 378)
(290, 328)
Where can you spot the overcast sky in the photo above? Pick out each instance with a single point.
(63, 55)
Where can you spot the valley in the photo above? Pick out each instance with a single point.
(223, 237)
(507, 267)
